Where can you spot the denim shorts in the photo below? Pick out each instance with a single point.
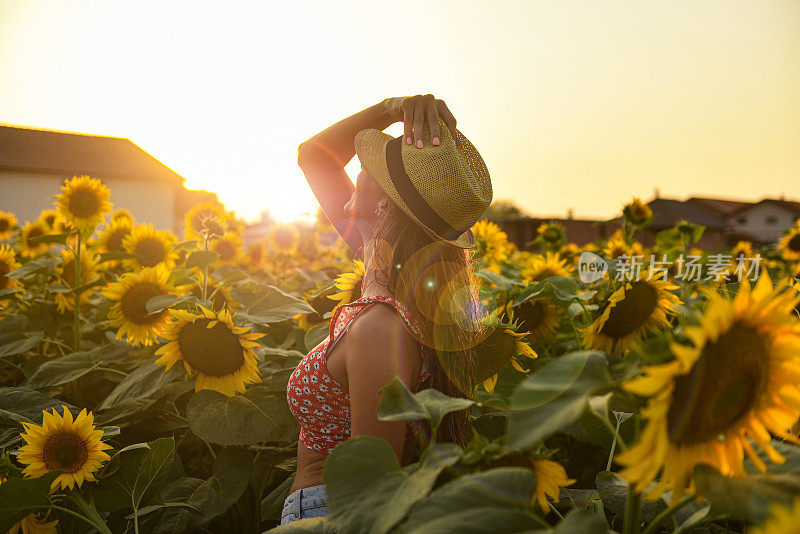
(305, 502)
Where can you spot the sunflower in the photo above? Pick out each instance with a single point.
(213, 349)
(229, 248)
(75, 447)
(110, 239)
(493, 243)
(151, 247)
(7, 224)
(349, 284)
(539, 316)
(196, 215)
(34, 523)
(121, 216)
(8, 262)
(551, 234)
(539, 267)
(130, 294)
(781, 520)
(30, 248)
(308, 244)
(283, 238)
(789, 244)
(254, 255)
(83, 202)
(637, 213)
(498, 349)
(66, 270)
(550, 478)
(51, 218)
(739, 382)
(635, 309)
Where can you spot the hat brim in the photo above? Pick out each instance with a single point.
(370, 145)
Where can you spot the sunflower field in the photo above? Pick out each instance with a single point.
(143, 382)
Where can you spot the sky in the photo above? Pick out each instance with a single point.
(577, 105)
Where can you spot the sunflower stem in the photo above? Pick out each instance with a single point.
(76, 327)
(633, 512)
(205, 267)
(667, 514)
(102, 527)
(614, 444)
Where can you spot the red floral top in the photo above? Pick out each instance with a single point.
(319, 403)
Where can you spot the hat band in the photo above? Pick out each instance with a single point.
(413, 199)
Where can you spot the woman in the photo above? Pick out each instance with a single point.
(409, 218)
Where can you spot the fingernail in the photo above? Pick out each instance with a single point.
(419, 144)
(436, 141)
(408, 140)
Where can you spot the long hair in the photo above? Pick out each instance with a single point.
(435, 281)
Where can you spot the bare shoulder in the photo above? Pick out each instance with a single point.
(381, 326)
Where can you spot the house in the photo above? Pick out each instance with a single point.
(35, 163)
(765, 220)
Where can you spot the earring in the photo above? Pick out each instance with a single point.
(377, 210)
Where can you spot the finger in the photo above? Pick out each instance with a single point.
(433, 122)
(419, 120)
(448, 118)
(408, 119)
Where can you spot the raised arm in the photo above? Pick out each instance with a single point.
(323, 158)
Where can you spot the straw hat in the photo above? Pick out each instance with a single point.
(446, 189)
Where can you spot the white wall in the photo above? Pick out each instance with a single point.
(26, 194)
(756, 221)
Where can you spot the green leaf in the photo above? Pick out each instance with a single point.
(398, 403)
(556, 396)
(316, 335)
(59, 239)
(210, 498)
(22, 496)
(141, 383)
(201, 258)
(264, 303)
(496, 500)
(65, 369)
(19, 342)
(231, 277)
(746, 499)
(162, 302)
(20, 404)
(191, 244)
(139, 476)
(363, 474)
(583, 521)
(257, 416)
(42, 265)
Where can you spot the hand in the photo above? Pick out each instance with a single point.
(414, 111)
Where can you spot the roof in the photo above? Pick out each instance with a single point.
(668, 212)
(789, 205)
(46, 151)
(725, 207)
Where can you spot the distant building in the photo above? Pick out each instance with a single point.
(725, 222)
(34, 164)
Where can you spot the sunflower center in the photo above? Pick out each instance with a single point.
(4, 270)
(84, 203)
(532, 315)
(632, 311)
(214, 351)
(66, 451)
(724, 384)
(794, 243)
(114, 241)
(4, 225)
(134, 303)
(34, 232)
(150, 251)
